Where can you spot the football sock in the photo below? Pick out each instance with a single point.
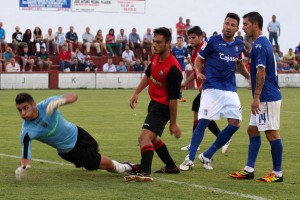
(276, 151)
(253, 150)
(180, 95)
(195, 124)
(213, 127)
(163, 153)
(119, 168)
(223, 137)
(147, 153)
(197, 137)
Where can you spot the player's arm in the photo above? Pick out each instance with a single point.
(142, 85)
(65, 99)
(260, 80)
(241, 68)
(188, 80)
(20, 172)
(173, 80)
(198, 68)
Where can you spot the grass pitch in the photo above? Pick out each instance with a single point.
(107, 116)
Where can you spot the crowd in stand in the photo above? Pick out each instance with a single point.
(34, 49)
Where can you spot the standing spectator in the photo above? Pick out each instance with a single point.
(135, 41)
(17, 39)
(128, 57)
(99, 39)
(138, 66)
(2, 37)
(50, 40)
(27, 36)
(64, 59)
(38, 39)
(163, 79)
(110, 40)
(147, 40)
(43, 61)
(180, 28)
(89, 41)
(122, 41)
(109, 66)
(72, 39)
(60, 39)
(26, 59)
(13, 66)
(121, 67)
(274, 31)
(188, 26)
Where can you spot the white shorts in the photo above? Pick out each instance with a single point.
(215, 104)
(269, 117)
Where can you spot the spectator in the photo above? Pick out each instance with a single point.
(276, 54)
(148, 40)
(43, 61)
(295, 66)
(188, 26)
(239, 35)
(49, 40)
(89, 41)
(64, 59)
(88, 62)
(60, 40)
(145, 57)
(286, 68)
(2, 37)
(99, 39)
(38, 39)
(181, 28)
(134, 40)
(290, 57)
(215, 33)
(17, 39)
(121, 67)
(13, 66)
(122, 41)
(26, 59)
(27, 40)
(274, 30)
(1, 61)
(111, 41)
(72, 39)
(281, 58)
(128, 57)
(205, 39)
(7, 56)
(297, 49)
(76, 66)
(91, 67)
(174, 38)
(78, 55)
(138, 66)
(109, 66)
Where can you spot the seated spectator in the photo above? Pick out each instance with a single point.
(89, 41)
(1, 62)
(276, 53)
(13, 66)
(7, 56)
(295, 66)
(64, 59)
(111, 42)
(38, 39)
(91, 66)
(17, 39)
(109, 66)
(43, 61)
(76, 66)
(138, 66)
(122, 41)
(60, 40)
(134, 40)
(280, 58)
(145, 57)
(285, 67)
(27, 36)
(72, 39)
(2, 37)
(121, 67)
(147, 40)
(290, 57)
(99, 39)
(78, 55)
(128, 57)
(239, 35)
(50, 40)
(26, 59)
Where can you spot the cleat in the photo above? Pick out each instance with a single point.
(187, 148)
(165, 170)
(243, 174)
(187, 164)
(138, 177)
(269, 178)
(206, 162)
(225, 147)
(134, 167)
(182, 99)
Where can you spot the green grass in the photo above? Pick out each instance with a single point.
(107, 116)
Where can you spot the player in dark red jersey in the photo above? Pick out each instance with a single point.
(163, 78)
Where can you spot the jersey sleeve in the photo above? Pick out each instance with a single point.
(173, 80)
(26, 144)
(205, 49)
(260, 55)
(148, 70)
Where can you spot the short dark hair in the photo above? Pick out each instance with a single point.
(164, 32)
(233, 16)
(255, 17)
(195, 30)
(24, 98)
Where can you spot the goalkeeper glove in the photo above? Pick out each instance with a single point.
(20, 172)
(54, 105)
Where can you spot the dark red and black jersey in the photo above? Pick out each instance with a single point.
(193, 58)
(165, 79)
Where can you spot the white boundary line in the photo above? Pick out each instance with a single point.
(202, 187)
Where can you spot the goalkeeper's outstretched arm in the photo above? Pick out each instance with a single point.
(66, 99)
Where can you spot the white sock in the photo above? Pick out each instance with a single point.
(278, 174)
(119, 168)
(249, 169)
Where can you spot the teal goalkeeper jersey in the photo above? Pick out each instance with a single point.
(53, 130)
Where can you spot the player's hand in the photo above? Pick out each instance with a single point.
(255, 106)
(201, 77)
(133, 100)
(175, 130)
(20, 172)
(53, 105)
(183, 85)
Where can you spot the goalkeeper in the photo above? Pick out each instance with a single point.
(45, 123)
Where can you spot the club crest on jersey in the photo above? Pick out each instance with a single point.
(236, 48)
(161, 73)
(258, 46)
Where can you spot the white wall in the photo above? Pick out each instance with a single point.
(208, 14)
